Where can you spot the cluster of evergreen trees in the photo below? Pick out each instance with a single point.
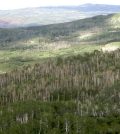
(73, 95)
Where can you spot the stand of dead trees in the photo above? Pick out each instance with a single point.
(70, 89)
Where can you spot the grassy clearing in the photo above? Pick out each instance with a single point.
(10, 60)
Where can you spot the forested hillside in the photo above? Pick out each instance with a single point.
(23, 46)
(61, 78)
(73, 95)
(97, 27)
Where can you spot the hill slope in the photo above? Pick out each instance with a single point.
(75, 93)
(21, 46)
(51, 15)
(96, 26)
(78, 94)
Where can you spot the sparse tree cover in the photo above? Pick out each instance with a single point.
(73, 95)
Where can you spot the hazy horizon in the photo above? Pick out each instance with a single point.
(20, 4)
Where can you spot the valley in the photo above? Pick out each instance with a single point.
(61, 78)
(23, 46)
(39, 16)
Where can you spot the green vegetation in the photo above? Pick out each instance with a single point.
(76, 94)
(18, 58)
(23, 46)
(62, 78)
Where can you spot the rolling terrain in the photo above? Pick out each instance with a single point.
(22, 46)
(51, 15)
(61, 78)
(77, 94)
